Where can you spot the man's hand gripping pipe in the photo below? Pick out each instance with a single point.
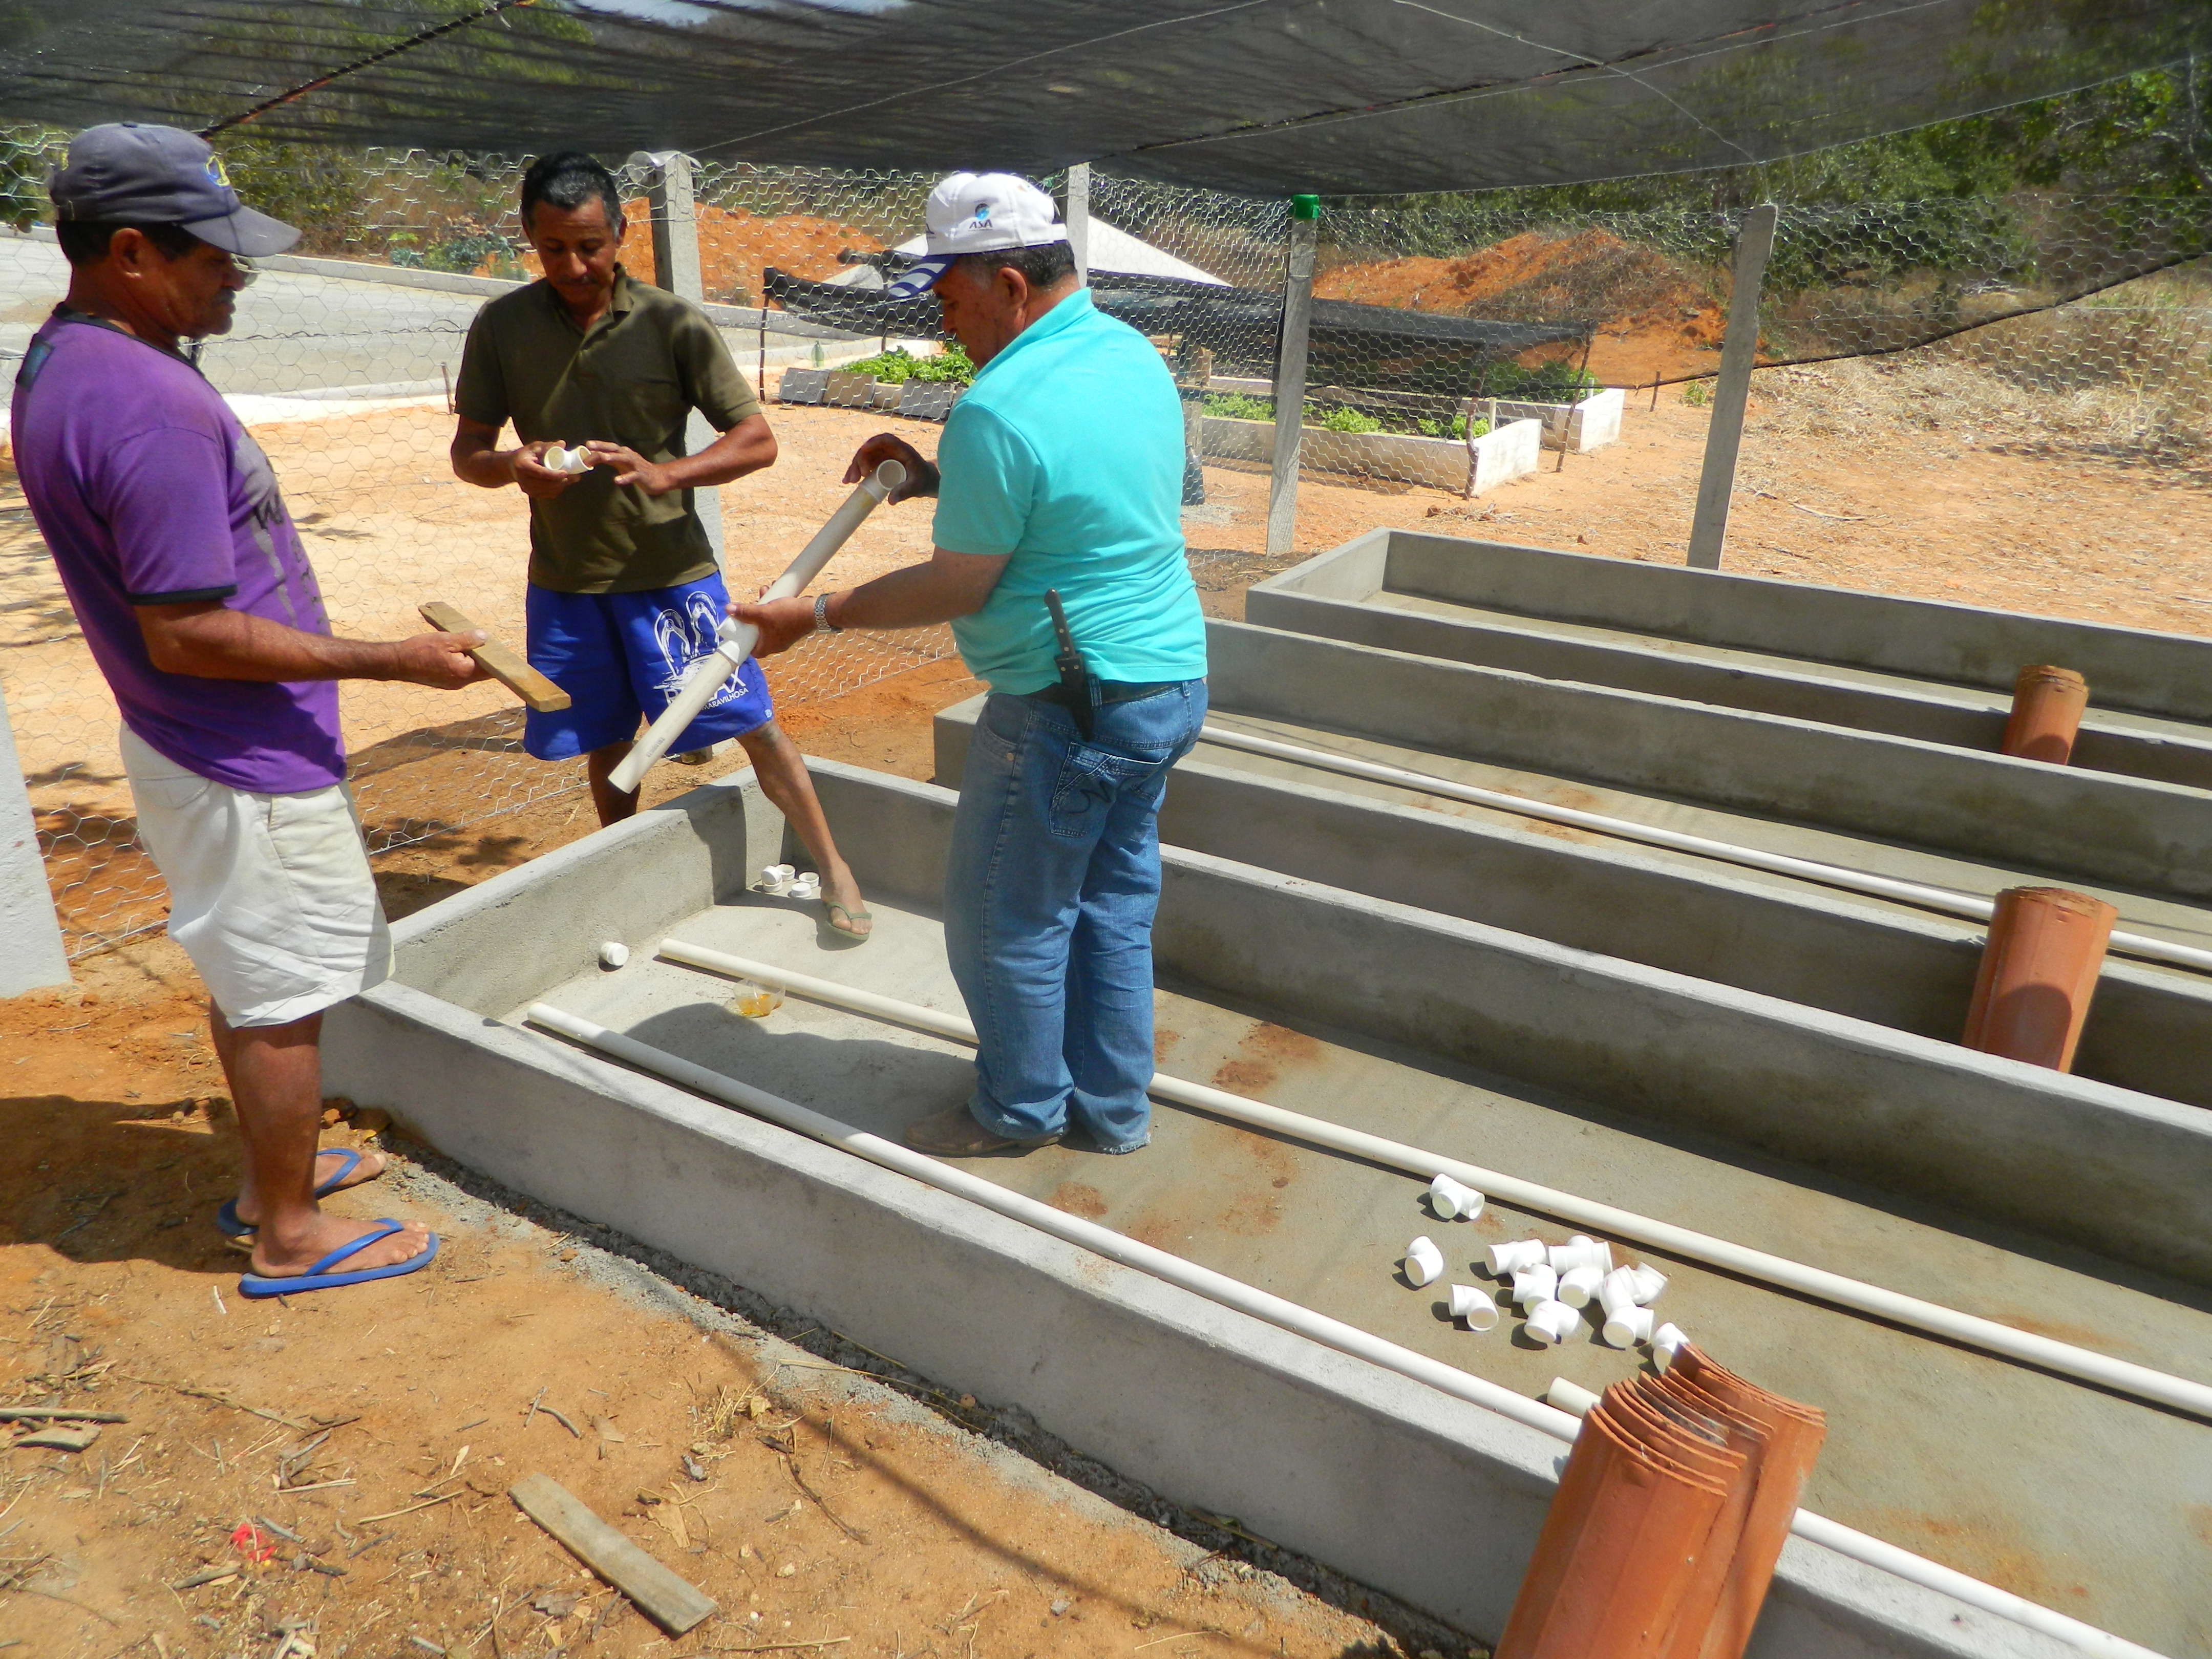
(734, 642)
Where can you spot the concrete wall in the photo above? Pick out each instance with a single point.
(1960, 719)
(33, 957)
(1429, 1498)
(2127, 832)
(1441, 462)
(2130, 668)
(2147, 1030)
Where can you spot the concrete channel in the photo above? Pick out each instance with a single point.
(1923, 669)
(2059, 1203)
(2149, 1029)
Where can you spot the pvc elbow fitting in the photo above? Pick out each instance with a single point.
(1424, 1261)
(1578, 1284)
(1533, 1287)
(1554, 1321)
(1471, 1305)
(1581, 1251)
(1508, 1259)
(1453, 1200)
(1616, 1292)
(1666, 1342)
(1630, 1326)
(613, 954)
(1649, 1281)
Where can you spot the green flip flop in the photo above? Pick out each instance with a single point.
(836, 910)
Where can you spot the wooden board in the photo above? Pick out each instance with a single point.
(670, 1603)
(496, 661)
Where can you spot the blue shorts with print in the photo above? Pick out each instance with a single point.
(620, 658)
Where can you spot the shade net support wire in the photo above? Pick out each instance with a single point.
(1275, 1310)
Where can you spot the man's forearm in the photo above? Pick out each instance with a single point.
(746, 447)
(231, 645)
(949, 585)
(489, 468)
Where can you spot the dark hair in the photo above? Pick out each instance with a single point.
(85, 242)
(1046, 265)
(568, 179)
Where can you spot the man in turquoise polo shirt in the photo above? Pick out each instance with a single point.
(1060, 476)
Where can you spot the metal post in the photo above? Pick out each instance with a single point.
(1739, 351)
(34, 956)
(1291, 375)
(676, 267)
(1077, 214)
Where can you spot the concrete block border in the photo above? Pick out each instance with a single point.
(1579, 428)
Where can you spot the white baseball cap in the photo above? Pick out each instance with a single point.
(978, 213)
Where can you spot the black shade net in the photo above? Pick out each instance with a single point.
(1261, 97)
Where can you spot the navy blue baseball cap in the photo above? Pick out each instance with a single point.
(128, 173)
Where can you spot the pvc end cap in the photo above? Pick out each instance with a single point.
(613, 954)
(1471, 1304)
(1507, 1260)
(1626, 1330)
(1578, 1284)
(1453, 1200)
(1554, 1321)
(1425, 1262)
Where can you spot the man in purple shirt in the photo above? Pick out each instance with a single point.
(199, 606)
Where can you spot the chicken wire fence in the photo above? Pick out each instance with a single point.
(2079, 324)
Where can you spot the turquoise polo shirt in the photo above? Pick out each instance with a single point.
(1066, 459)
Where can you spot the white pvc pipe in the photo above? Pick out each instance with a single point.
(2140, 1380)
(1572, 1398)
(1972, 907)
(1275, 1310)
(735, 642)
(1102, 1240)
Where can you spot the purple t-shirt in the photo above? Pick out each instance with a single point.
(149, 491)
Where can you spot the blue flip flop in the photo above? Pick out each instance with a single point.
(241, 1233)
(320, 1278)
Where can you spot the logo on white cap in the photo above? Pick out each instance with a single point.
(979, 213)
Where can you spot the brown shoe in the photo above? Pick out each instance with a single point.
(957, 1135)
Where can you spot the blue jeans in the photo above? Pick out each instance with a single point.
(1050, 895)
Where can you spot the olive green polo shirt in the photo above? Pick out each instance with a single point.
(633, 378)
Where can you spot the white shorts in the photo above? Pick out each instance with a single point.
(269, 894)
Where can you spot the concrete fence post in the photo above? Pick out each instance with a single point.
(1077, 214)
(676, 267)
(32, 955)
(1290, 374)
(1739, 351)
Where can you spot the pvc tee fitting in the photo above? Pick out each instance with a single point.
(1554, 1321)
(1454, 1201)
(1508, 1259)
(1578, 1284)
(1424, 1263)
(1666, 1342)
(1581, 1251)
(571, 461)
(1649, 1281)
(1533, 1286)
(1630, 1326)
(1471, 1304)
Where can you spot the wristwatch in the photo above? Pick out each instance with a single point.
(821, 622)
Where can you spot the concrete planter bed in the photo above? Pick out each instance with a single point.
(1401, 1020)
(1579, 428)
(1923, 669)
(918, 400)
(1498, 457)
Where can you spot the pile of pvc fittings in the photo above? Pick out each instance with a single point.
(1552, 1284)
(783, 881)
(558, 460)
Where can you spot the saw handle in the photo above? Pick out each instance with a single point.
(735, 642)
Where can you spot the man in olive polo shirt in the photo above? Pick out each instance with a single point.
(624, 592)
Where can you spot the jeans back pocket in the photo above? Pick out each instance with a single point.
(1091, 780)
